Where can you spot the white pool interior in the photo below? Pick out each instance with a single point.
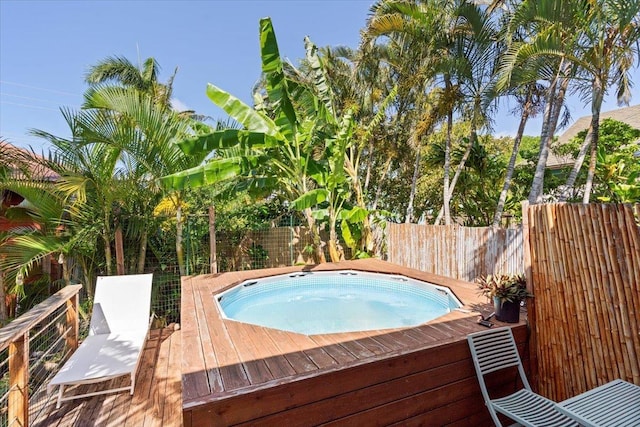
(327, 302)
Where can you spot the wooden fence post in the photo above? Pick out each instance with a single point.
(19, 380)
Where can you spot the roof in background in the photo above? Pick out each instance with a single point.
(628, 115)
(28, 161)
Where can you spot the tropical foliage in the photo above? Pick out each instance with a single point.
(399, 128)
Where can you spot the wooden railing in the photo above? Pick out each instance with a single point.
(47, 332)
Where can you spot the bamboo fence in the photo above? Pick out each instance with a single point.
(463, 253)
(585, 276)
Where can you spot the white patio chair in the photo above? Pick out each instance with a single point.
(495, 349)
(118, 331)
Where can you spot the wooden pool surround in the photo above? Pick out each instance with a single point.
(240, 374)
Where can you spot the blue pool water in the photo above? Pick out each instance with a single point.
(332, 302)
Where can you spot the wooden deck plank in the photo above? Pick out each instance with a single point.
(224, 366)
(117, 405)
(136, 410)
(172, 415)
(223, 362)
(340, 353)
(194, 370)
(158, 380)
(256, 369)
(298, 359)
(266, 349)
(291, 373)
(157, 396)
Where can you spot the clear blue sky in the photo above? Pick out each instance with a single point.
(47, 46)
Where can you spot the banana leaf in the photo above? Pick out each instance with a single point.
(226, 138)
(276, 83)
(310, 199)
(210, 173)
(244, 114)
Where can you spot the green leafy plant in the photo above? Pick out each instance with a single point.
(505, 287)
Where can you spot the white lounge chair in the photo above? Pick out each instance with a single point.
(118, 331)
(495, 349)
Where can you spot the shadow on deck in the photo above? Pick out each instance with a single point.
(157, 400)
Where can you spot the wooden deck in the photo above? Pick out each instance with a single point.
(240, 374)
(157, 400)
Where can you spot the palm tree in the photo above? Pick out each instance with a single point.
(605, 56)
(529, 99)
(533, 29)
(461, 59)
(118, 69)
(416, 29)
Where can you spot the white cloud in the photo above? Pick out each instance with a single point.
(178, 105)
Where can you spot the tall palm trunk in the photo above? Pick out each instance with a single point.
(3, 303)
(591, 140)
(142, 254)
(512, 162)
(414, 184)
(179, 245)
(385, 172)
(447, 166)
(555, 100)
(473, 138)
(106, 238)
(66, 273)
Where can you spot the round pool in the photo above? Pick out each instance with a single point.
(336, 301)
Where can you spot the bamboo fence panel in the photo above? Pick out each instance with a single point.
(463, 253)
(585, 272)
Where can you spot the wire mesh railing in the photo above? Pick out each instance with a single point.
(32, 349)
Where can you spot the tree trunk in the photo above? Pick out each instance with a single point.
(512, 163)
(318, 253)
(367, 176)
(3, 302)
(592, 135)
(213, 255)
(142, 255)
(555, 100)
(106, 237)
(446, 199)
(459, 169)
(119, 250)
(334, 251)
(414, 184)
(592, 161)
(66, 274)
(589, 141)
(387, 167)
(179, 245)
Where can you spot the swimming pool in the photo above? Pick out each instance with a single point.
(336, 301)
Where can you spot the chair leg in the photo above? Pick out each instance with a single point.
(59, 401)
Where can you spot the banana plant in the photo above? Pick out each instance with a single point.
(277, 144)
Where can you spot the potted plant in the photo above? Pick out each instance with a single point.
(506, 291)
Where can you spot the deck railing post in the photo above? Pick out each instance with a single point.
(73, 324)
(18, 403)
(15, 338)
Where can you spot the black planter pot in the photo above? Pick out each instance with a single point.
(507, 311)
